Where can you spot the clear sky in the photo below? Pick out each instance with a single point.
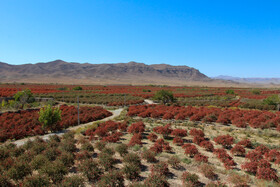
(226, 37)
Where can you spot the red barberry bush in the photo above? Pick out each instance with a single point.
(238, 150)
(225, 140)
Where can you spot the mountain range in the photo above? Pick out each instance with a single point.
(250, 80)
(62, 72)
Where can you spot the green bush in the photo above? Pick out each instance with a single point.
(73, 181)
(90, 169)
(100, 145)
(165, 96)
(67, 159)
(56, 171)
(68, 146)
(131, 171)
(113, 178)
(39, 161)
(148, 155)
(122, 149)
(106, 160)
(156, 180)
(87, 146)
(160, 168)
(19, 171)
(36, 180)
(109, 151)
(174, 161)
(39, 147)
(132, 158)
(189, 179)
(52, 153)
(68, 135)
(4, 181)
(77, 88)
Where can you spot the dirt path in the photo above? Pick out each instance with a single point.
(149, 101)
(116, 113)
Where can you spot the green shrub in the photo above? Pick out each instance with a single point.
(52, 153)
(68, 146)
(122, 149)
(77, 88)
(39, 147)
(28, 145)
(109, 151)
(54, 138)
(87, 146)
(19, 171)
(56, 171)
(149, 156)
(189, 179)
(90, 169)
(132, 158)
(67, 159)
(106, 160)
(4, 181)
(39, 161)
(113, 178)
(160, 168)
(100, 145)
(156, 180)
(174, 161)
(36, 180)
(68, 135)
(73, 181)
(131, 171)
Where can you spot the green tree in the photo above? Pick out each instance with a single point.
(165, 96)
(24, 97)
(231, 92)
(49, 116)
(272, 100)
(78, 88)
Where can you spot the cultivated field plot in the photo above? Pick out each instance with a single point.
(148, 151)
(252, 98)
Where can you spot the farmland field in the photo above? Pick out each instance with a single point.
(204, 137)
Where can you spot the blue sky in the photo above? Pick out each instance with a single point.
(237, 38)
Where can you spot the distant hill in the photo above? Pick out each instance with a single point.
(59, 71)
(250, 80)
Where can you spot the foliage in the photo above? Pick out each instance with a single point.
(164, 96)
(113, 178)
(156, 180)
(19, 170)
(36, 180)
(174, 161)
(189, 179)
(131, 171)
(90, 169)
(24, 96)
(149, 156)
(225, 140)
(49, 116)
(160, 168)
(122, 149)
(73, 181)
(56, 171)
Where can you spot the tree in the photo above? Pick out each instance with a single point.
(272, 100)
(164, 96)
(78, 88)
(230, 92)
(24, 97)
(49, 117)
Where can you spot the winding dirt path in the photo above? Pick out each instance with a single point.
(116, 113)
